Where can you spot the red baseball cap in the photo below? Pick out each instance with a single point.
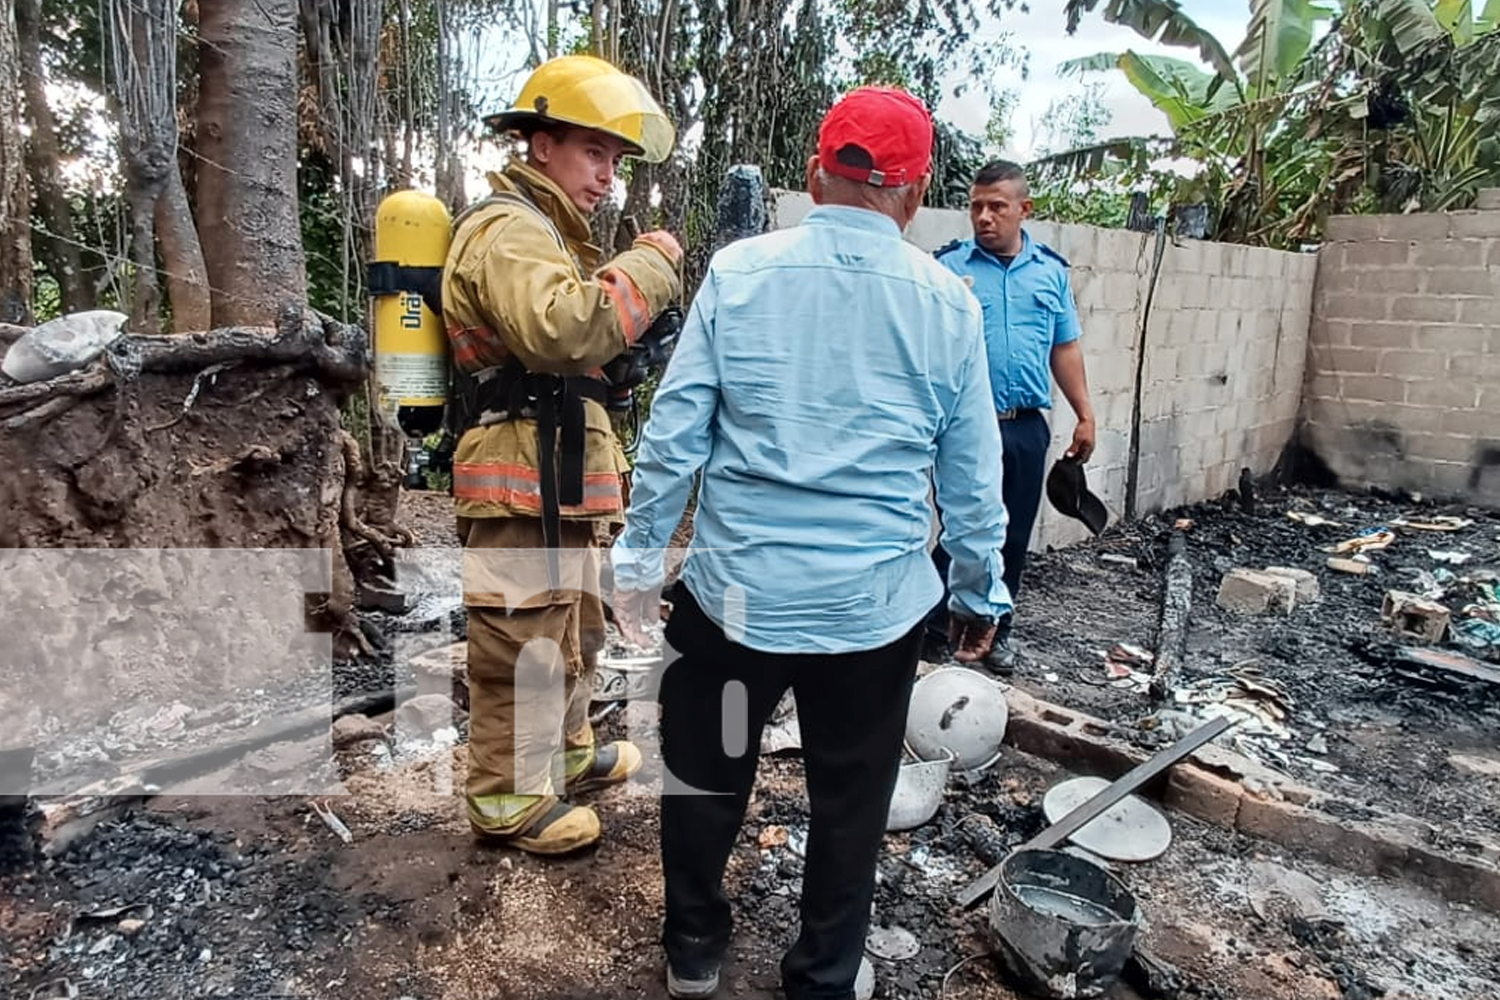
(890, 133)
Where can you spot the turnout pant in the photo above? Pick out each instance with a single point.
(1024, 441)
(715, 700)
(532, 652)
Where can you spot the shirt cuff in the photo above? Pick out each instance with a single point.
(636, 569)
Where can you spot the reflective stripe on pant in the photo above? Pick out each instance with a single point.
(531, 667)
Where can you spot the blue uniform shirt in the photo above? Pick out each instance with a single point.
(828, 376)
(1028, 310)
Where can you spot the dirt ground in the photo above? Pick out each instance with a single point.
(254, 896)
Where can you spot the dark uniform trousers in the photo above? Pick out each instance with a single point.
(715, 700)
(1025, 439)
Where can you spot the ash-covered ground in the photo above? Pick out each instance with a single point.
(255, 896)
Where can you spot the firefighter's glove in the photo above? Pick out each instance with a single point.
(971, 638)
(630, 368)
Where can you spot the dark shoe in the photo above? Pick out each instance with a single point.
(935, 648)
(1001, 658)
(695, 985)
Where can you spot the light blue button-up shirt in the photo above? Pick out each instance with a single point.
(1028, 310)
(827, 377)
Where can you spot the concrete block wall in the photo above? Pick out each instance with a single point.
(1221, 380)
(1403, 369)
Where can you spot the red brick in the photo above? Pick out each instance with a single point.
(1204, 795)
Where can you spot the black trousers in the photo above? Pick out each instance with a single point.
(1024, 442)
(715, 700)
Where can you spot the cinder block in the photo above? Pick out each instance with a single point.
(1474, 224)
(1462, 281)
(1415, 227)
(1380, 254)
(1488, 200)
(1452, 339)
(1250, 591)
(1472, 423)
(1354, 360)
(1477, 312)
(1443, 447)
(1388, 281)
(1372, 388)
(1449, 254)
(1342, 228)
(1450, 393)
(1424, 309)
(1414, 616)
(1305, 582)
(1413, 364)
(1381, 336)
(1351, 305)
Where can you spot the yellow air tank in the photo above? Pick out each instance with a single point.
(412, 232)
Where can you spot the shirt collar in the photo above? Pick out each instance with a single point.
(1028, 249)
(849, 217)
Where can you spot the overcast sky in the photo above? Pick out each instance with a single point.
(1043, 32)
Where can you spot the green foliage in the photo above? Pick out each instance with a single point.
(1394, 107)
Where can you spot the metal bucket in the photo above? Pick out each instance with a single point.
(919, 792)
(1063, 927)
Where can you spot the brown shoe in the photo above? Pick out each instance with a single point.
(552, 827)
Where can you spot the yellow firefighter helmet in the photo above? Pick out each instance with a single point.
(589, 92)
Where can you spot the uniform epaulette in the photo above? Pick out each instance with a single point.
(947, 248)
(1044, 248)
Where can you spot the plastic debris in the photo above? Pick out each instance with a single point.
(1477, 633)
(1369, 540)
(62, 345)
(1313, 520)
(1453, 557)
(1443, 522)
(326, 814)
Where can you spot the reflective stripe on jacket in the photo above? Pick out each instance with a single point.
(523, 281)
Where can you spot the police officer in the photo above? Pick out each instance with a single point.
(533, 312)
(1031, 335)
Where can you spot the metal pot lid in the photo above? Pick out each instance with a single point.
(1130, 830)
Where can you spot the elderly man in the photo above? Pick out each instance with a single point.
(1031, 334)
(533, 311)
(827, 375)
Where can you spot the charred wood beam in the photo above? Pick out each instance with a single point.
(1176, 605)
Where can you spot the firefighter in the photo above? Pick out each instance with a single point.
(534, 315)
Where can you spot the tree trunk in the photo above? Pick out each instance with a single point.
(247, 138)
(15, 197)
(57, 247)
(187, 278)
